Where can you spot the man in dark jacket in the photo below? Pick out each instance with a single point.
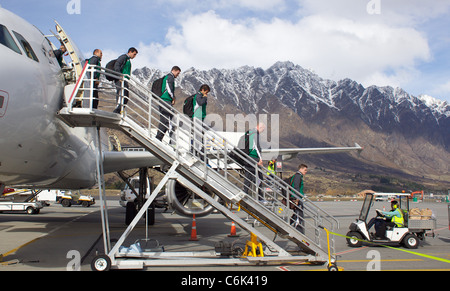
(95, 60)
(123, 66)
(168, 96)
(59, 55)
(297, 220)
(253, 150)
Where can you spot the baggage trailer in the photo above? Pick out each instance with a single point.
(28, 207)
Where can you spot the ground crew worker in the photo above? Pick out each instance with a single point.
(394, 218)
(271, 168)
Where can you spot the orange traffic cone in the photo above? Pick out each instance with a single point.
(194, 230)
(233, 230)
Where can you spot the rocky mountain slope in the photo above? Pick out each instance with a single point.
(403, 135)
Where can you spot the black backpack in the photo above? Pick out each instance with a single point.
(110, 66)
(290, 182)
(188, 107)
(234, 156)
(157, 87)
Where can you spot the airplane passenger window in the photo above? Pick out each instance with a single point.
(7, 40)
(26, 47)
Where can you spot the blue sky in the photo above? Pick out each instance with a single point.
(401, 43)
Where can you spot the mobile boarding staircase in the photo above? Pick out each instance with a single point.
(140, 119)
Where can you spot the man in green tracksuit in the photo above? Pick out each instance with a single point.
(168, 96)
(200, 102)
(253, 150)
(297, 220)
(123, 66)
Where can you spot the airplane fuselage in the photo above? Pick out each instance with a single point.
(36, 148)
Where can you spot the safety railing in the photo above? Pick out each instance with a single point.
(191, 139)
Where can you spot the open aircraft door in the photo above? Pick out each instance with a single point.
(74, 53)
(78, 62)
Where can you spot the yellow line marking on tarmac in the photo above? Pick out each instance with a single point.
(2, 256)
(417, 270)
(286, 267)
(18, 248)
(398, 249)
(385, 261)
(396, 270)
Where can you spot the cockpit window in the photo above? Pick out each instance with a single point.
(7, 40)
(26, 47)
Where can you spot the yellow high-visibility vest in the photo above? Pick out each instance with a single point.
(399, 221)
(271, 170)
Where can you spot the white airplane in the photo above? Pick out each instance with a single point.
(37, 149)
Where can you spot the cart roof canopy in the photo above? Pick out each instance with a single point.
(391, 194)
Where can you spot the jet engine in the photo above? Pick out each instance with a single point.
(187, 203)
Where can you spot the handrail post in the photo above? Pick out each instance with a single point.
(91, 89)
(150, 111)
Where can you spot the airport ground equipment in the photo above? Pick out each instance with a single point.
(132, 197)
(409, 235)
(130, 191)
(332, 266)
(28, 207)
(69, 199)
(190, 165)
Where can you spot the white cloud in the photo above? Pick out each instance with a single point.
(334, 47)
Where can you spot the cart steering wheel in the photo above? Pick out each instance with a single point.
(379, 213)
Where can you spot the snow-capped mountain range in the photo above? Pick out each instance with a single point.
(252, 90)
(403, 135)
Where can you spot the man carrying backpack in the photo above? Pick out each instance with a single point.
(123, 66)
(195, 108)
(168, 96)
(253, 150)
(297, 220)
